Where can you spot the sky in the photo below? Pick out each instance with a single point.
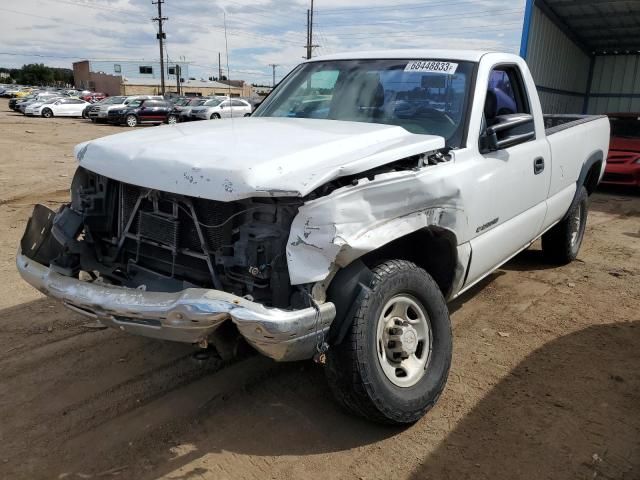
(259, 32)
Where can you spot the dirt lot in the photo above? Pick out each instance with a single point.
(545, 380)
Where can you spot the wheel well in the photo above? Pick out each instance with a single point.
(591, 180)
(432, 248)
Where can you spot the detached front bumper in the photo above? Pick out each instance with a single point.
(188, 316)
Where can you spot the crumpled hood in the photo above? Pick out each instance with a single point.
(249, 157)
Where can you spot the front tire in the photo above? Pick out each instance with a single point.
(131, 121)
(394, 362)
(47, 113)
(561, 244)
(172, 119)
(214, 116)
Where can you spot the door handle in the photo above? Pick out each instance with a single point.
(538, 165)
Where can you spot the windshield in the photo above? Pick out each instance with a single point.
(422, 96)
(625, 127)
(196, 102)
(51, 100)
(213, 102)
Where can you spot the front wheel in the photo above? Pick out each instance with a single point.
(131, 120)
(394, 362)
(561, 244)
(47, 113)
(214, 116)
(172, 119)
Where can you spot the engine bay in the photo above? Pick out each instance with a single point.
(150, 240)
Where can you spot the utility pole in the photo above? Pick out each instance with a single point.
(219, 68)
(310, 46)
(310, 30)
(178, 73)
(161, 36)
(273, 66)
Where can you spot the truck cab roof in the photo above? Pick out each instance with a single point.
(464, 55)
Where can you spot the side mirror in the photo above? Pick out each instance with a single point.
(57, 103)
(221, 107)
(509, 130)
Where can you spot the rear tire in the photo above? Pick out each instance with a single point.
(47, 113)
(392, 366)
(131, 121)
(561, 244)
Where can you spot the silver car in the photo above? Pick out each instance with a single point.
(218, 108)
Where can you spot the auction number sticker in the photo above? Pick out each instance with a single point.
(431, 66)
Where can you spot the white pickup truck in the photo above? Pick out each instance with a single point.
(336, 222)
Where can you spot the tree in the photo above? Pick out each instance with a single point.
(40, 74)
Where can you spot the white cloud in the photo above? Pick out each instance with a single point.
(260, 32)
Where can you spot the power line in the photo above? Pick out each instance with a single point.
(483, 13)
(480, 28)
(408, 6)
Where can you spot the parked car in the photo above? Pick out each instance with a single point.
(218, 108)
(142, 111)
(38, 98)
(93, 97)
(16, 102)
(23, 92)
(623, 162)
(184, 111)
(100, 111)
(339, 238)
(58, 107)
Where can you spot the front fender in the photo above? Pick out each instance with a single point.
(335, 230)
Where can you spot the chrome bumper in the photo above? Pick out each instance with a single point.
(188, 316)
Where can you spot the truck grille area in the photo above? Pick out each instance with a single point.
(160, 241)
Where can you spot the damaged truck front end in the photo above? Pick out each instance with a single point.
(174, 267)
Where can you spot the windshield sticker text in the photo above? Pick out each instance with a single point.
(431, 66)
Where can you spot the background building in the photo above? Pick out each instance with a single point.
(115, 77)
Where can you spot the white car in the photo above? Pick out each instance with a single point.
(218, 108)
(327, 225)
(57, 107)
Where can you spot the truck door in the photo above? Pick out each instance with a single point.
(510, 186)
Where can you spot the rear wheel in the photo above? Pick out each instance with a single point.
(47, 113)
(561, 244)
(131, 121)
(394, 362)
(214, 116)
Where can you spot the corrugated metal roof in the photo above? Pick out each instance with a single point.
(601, 26)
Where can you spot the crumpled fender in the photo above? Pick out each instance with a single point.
(335, 230)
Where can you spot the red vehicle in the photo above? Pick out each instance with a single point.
(623, 163)
(94, 97)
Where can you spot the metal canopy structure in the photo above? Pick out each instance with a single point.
(584, 54)
(599, 27)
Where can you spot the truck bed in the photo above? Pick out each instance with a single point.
(555, 123)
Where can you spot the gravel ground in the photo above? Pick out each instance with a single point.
(545, 381)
